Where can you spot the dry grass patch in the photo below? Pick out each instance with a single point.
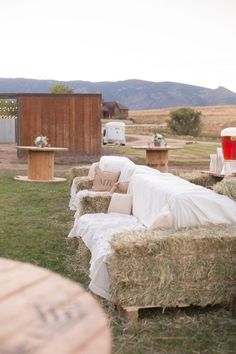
(214, 118)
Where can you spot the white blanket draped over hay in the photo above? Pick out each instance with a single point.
(107, 163)
(96, 230)
(188, 204)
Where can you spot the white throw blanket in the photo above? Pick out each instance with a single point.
(97, 230)
(188, 203)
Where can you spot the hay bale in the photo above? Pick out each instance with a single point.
(227, 187)
(83, 183)
(167, 268)
(95, 202)
(84, 256)
(199, 178)
(79, 171)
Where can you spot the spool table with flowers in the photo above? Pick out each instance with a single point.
(157, 152)
(40, 162)
(157, 156)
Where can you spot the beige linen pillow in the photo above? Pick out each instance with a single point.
(104, 180)
(120, 187)
(120, 203)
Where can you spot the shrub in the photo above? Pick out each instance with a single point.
(185, 121)
(61, 88)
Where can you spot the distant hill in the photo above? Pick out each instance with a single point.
(135, 94)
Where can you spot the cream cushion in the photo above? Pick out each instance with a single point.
(120, 203)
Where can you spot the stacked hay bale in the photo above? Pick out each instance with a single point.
(84, 256)
(198, 178)
(83, 182)
(227, 187)
(169, 268)
(79, 171)
(95, 203)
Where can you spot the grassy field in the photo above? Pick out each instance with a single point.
(35, 222)
(214, 118)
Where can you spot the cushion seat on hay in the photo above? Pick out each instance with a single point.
(96, 231)
(188, 204)
(107, 163)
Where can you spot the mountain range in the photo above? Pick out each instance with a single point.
(135, 94)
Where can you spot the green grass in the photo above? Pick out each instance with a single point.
(34, 224)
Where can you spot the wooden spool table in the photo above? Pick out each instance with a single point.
(40, 164)
(44, 313)
(157, 156)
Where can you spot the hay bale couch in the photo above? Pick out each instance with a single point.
(177, 248)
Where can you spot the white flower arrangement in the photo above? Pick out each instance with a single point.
(41, 141)
(158, 137)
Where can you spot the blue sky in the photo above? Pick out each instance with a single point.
(188, 41)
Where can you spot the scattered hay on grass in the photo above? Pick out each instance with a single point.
(227, 187)
(168, 268)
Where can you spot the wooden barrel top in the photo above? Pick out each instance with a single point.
(43, 313)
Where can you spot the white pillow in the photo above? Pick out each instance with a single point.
(120, 203)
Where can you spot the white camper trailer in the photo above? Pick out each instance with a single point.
(114, 133)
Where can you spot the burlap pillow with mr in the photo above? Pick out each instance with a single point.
(104, 180)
